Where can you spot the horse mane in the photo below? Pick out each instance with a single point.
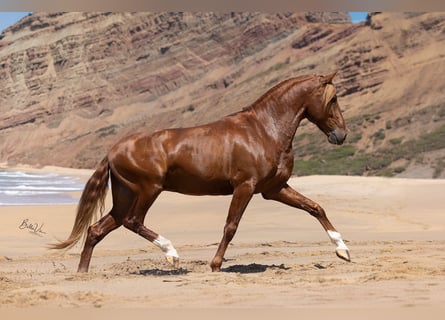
(329, 93)
(266, 96)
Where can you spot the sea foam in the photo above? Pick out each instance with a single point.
(22, 188)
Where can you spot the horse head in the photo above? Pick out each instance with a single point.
(323, 110)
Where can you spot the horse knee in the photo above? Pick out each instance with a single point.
(317, 211)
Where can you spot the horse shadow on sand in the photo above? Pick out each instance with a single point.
(160, 272)
(253, 268)
(238, 268)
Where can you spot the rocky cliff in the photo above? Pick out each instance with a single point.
(71, 84)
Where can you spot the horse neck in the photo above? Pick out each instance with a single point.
(281, 110)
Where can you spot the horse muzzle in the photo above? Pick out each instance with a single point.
(337, 136)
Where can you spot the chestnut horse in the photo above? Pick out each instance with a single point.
(242, 154)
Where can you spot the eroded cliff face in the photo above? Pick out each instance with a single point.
(72, 84)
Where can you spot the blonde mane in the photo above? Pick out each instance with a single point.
(329, 93)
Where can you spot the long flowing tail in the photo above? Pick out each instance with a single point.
(93, 196)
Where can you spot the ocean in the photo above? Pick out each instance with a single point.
(21, 188)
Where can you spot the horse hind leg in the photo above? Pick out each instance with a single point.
(134, 221)
(95, 234)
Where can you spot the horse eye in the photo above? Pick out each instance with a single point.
(334, 100)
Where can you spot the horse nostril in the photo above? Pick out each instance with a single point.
(332, 138)
(337, 137)
(341, 137)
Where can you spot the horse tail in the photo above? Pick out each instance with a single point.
(93, 197)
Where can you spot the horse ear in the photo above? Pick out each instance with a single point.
(328, 78)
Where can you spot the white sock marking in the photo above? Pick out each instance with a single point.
(337, 240)
(166, 246)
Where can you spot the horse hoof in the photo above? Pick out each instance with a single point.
(216, 269)
(81, 269)
(216, 263)
(343, 254)
(174, 261)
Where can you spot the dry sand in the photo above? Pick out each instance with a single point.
(280, 257)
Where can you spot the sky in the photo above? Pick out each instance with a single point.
(358, 16)
(9, 18)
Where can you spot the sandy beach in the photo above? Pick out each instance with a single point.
(279, 258)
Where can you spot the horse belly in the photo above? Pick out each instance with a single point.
(184, 182)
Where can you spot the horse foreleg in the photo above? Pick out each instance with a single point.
(95, 234)
(289, 196)
(241, 197)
